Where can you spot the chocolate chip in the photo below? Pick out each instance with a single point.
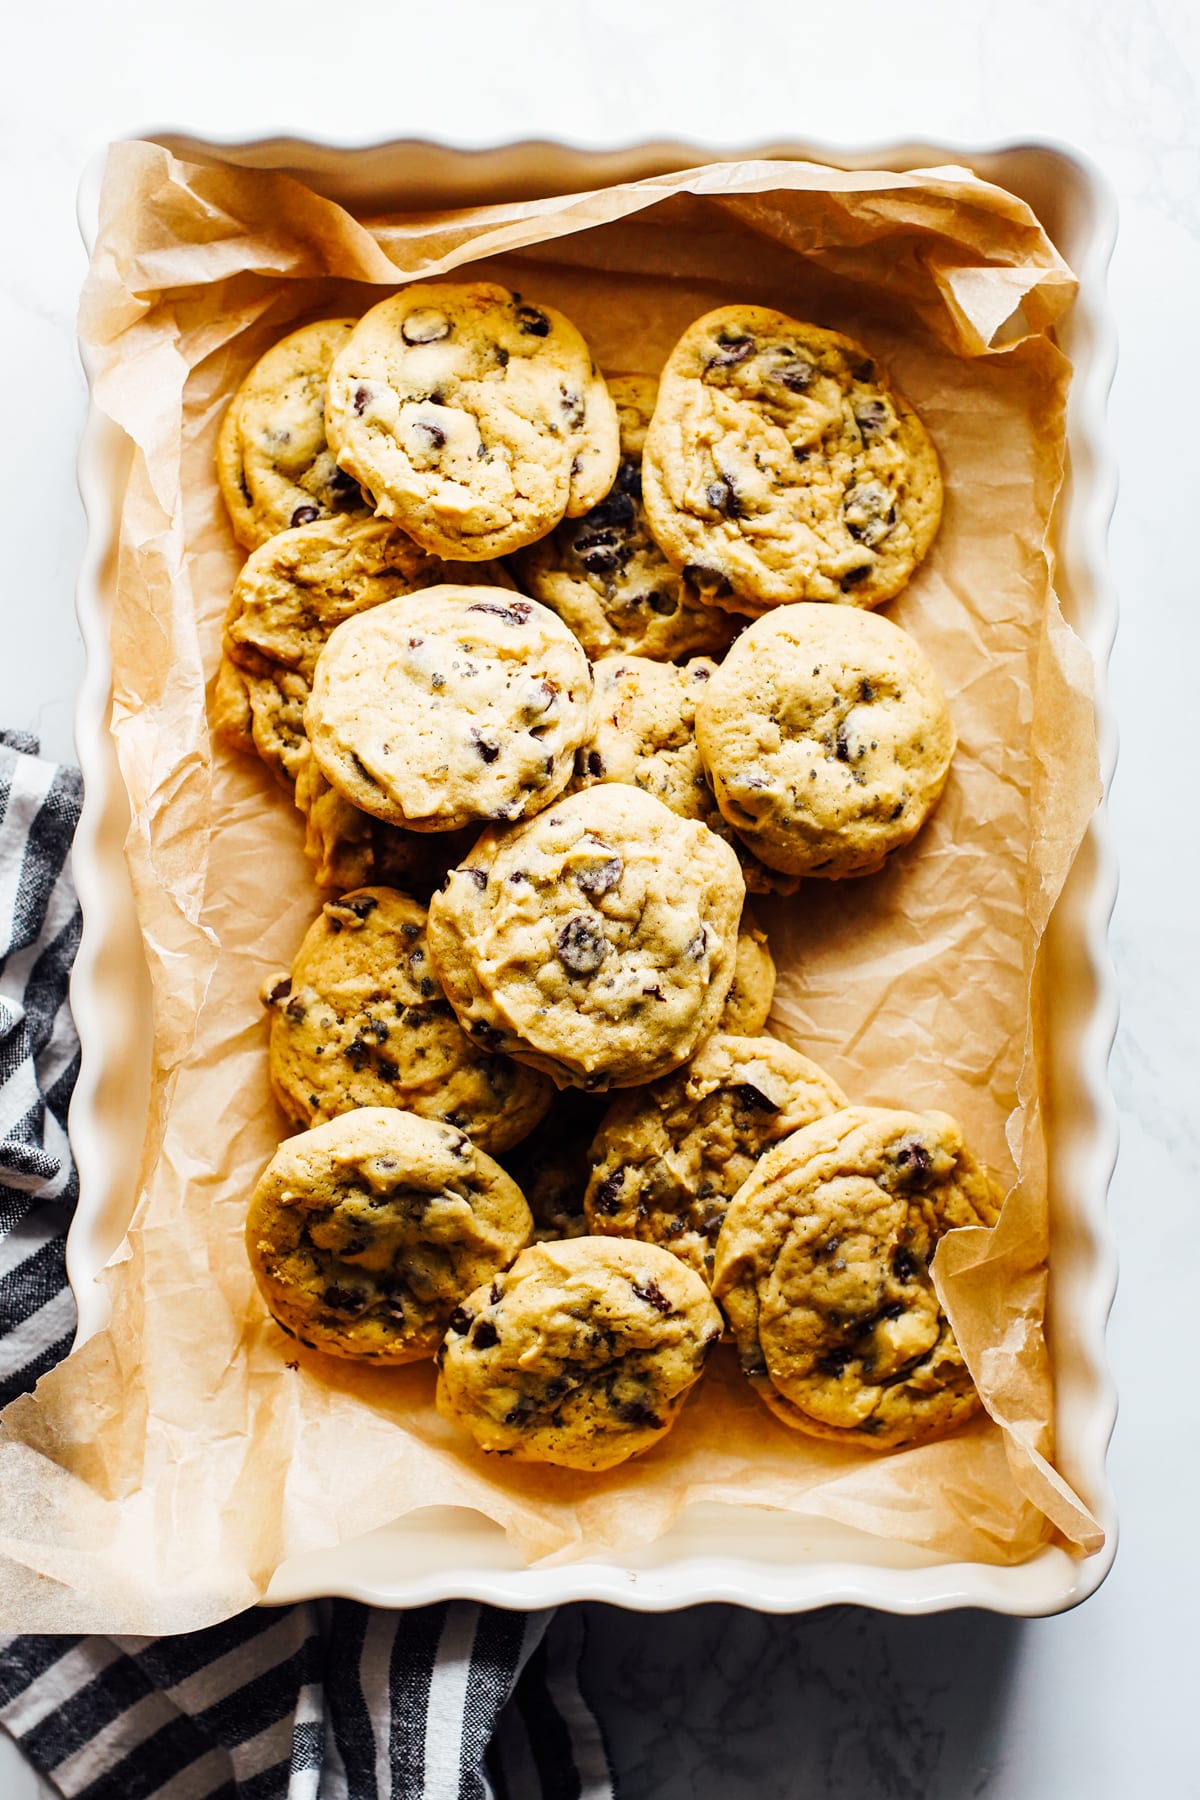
(461, 1321)
(914, 1161)
(304, 515)
(662, 603)
(582, 946)
(387, 1069)
(843, 744)
(629, 480)
(352, 1300)
(481, 1032)
(871, 417)
(484, 1335)
(484, 747)
(796, 376)
(869, 513)
(532, 322)
(594, 763)
(636, 1412)
(362, 397)
(600, 562)
(866, 694)
(477, 876)
(433, 434)
(494, 1293)
(698, 945)
(896, 811)
(718, 494)
(280, 991)
(357, 1054)
(854, 576)
(754, 1098)
(425, 325)
(735, 347)
(517, 613)
(360, 904)
(834, 1361)
(295, 1009)
(653, 1295)
(572, 406)
(655, 993)
(607, 1200)
(600, 877)
(502, 356)
(617, 509)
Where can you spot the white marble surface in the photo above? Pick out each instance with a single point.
(1097, 1705)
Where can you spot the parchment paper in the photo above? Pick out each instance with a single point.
(157, 1478)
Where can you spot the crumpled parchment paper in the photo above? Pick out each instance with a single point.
(158, 1477)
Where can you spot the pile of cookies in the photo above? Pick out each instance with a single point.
(558, 668)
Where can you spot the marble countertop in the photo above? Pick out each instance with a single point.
(845, 1705)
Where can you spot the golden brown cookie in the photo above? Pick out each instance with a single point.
(273, 463)
(748, 1004)
(582, 1355)
(822, 1267)
(781, 466)
(360, 1020)
(457, 704)
(366, 1233)
(668, 1158)
(827, 739)
(605, 576)
(476, 418)
(596, 941)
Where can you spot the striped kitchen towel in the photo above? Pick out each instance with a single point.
(326, 1701)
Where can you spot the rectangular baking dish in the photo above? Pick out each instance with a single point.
(770, 1561)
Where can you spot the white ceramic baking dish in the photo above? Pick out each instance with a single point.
(772, 1561)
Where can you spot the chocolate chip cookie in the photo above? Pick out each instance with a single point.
(459, 703)
(605, 575)
(643, 732)
(365, 1234)
(822, 1267)
(360, 1020)
(780, 465)
(475, 417)
(827, 739)
(273, 463)
(668, 1158)
(596, 941)
(582, 1355)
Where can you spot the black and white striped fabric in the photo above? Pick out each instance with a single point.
(326, 1701)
